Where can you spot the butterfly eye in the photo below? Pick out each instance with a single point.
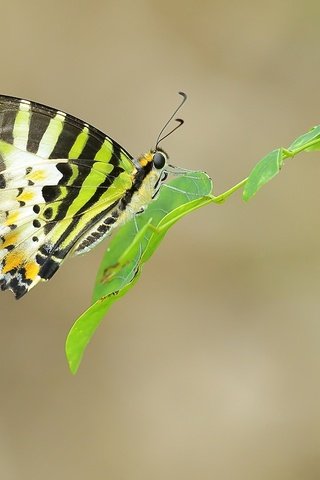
(159, 160)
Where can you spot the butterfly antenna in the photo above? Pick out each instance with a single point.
(179, 120)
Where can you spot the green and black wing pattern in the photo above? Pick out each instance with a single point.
(60, 181)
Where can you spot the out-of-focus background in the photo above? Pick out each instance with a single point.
(210, 367)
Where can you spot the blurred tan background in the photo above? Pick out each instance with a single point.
(210, 367)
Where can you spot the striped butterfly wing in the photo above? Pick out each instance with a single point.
(60, 180)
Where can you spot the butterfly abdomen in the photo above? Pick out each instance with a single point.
(134, 201)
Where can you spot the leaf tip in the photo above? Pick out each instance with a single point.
(73, 351)
(73, 362)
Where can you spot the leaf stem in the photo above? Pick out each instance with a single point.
(292, 153)
(223, 196)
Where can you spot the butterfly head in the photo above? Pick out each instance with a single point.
(155, 160)
(160, 159)
(152, 168)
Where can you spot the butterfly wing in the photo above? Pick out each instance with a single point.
(60, 179)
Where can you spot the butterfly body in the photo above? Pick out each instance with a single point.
(64, 187)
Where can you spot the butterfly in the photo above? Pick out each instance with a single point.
(64, 187)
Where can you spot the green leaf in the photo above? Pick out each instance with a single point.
(271, 164)
(302, 142)
(132, 246)
(268, 167)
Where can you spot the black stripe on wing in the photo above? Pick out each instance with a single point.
(40, 119)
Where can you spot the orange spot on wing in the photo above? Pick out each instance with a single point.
(32, 270)
(13, 260)
(9, 239)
